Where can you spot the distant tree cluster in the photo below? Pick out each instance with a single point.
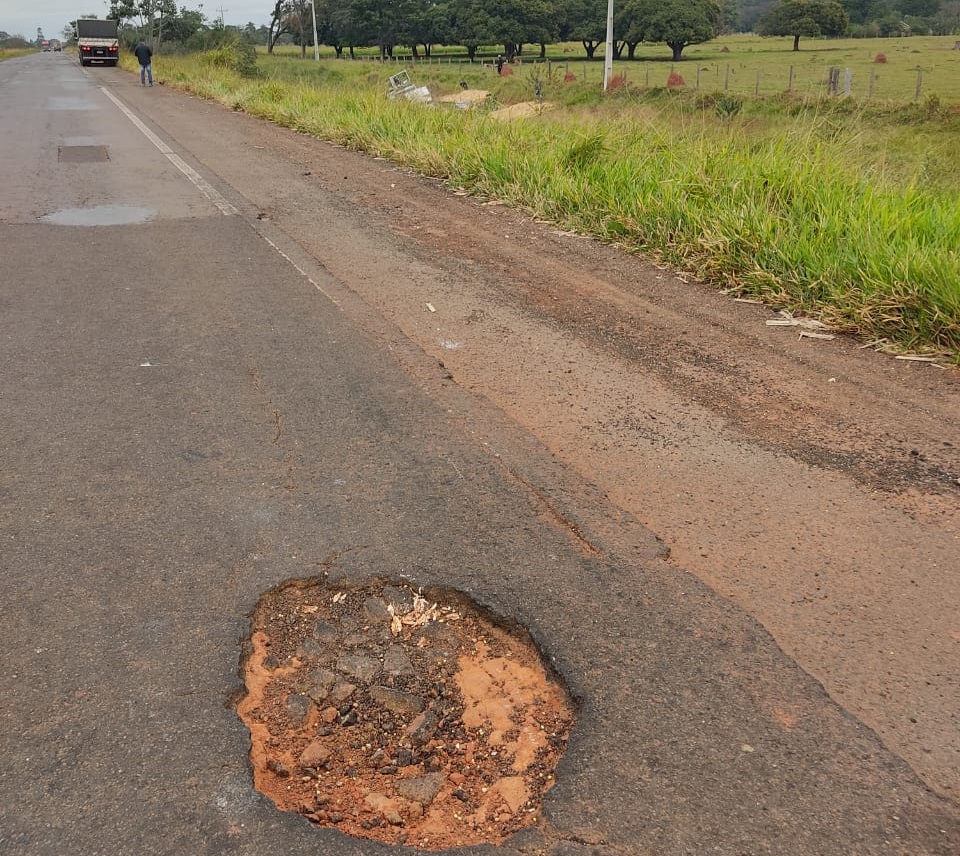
(13, 42)
(798, 18)
(868, 18)
(516, 25)
(161, 22)
(419, 25)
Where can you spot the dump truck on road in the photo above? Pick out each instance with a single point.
(97, 41)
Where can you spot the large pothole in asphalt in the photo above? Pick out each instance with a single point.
(403, 717)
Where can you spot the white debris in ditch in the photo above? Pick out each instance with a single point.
(400, 86)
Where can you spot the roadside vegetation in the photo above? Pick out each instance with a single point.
(842, 210)
(10, 53)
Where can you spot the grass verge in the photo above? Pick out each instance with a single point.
(776, 200)
(13, 53)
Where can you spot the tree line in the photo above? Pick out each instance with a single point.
(419, 25)
(520, 26)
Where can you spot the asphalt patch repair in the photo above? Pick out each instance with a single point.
(397, 716)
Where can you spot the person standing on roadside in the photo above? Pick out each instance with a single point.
(144, 56)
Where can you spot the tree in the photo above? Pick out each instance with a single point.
(300, 23)
(380, 21)
(424, 24)
(729, 13)
(344, 27)
(676, 23)
(153, 16)
(279, 24)
(918, 8)
(17, 41)
(947, 20)
(584, 21)
(471, 25)
(539, 24)
(510, 23)
(866, 11)
(182, 26)
(803, 18)
(120, 10)
(749, 12)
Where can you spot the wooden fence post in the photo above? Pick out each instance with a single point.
(833, 81)
(919, 83)
(790, 81)
(873, 77)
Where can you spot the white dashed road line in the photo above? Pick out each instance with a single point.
(198, 180)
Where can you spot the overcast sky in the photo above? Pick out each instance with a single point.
(20, 18)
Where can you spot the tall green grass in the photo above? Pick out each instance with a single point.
(13, 53)
(781, 206)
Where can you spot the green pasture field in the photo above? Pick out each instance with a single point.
(840, 210)
(746, 65)
(933, 59)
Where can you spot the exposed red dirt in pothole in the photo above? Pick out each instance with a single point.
(399, 717)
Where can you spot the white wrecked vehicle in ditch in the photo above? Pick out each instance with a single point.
(399, 86)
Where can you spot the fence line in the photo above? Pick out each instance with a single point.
(734, 78)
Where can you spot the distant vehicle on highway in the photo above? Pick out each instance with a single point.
(45, 45)
(97, 41)
(55, 45)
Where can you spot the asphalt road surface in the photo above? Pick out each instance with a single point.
(219, 371)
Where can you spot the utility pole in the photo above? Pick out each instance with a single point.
(608, 50)
(221, 10)
(316, 47)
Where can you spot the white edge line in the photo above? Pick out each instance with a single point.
(198, 180)
(203, 186)
(300, 270)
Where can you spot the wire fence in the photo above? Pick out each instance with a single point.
(873, 82)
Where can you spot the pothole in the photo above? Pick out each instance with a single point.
(82, 154)
(397, 715)
(100, 215)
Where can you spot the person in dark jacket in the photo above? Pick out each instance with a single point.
(144, 56)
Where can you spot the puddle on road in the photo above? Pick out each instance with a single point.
(101, 215)
(61, 103)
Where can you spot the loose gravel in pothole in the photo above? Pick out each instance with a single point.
(398, 716)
